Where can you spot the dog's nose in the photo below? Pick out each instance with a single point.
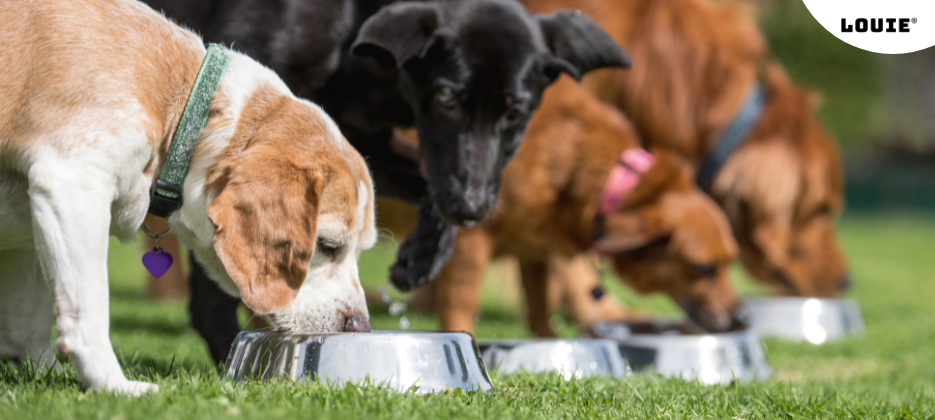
(740, 317)
(356, 323)
(716, 320)
(844, 283)
(468, 210)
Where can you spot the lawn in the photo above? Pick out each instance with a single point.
(886, 373)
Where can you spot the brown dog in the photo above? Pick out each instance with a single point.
(667, 236)
(696, 61)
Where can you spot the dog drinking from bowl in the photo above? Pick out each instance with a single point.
(269, 195)
(702, 63)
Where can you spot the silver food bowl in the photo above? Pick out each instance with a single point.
(678, 350)
(805, 319)
(571, 358)
(400, 360)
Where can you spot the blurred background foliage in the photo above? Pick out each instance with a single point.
(851, 81)
(880, 107)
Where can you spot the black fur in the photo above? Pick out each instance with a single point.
(214, 313)
(425, 252)
(466, 73)
(473, 72)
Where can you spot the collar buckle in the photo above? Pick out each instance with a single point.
(161, 204)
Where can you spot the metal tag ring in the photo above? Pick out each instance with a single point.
(152, 234)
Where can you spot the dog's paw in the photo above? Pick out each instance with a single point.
(425, 252)
(132, 388)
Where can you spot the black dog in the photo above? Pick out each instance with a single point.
(466, 73)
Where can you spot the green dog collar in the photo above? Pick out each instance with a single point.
(165, 195)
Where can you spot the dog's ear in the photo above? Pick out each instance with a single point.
(700, 230)
(397, 33)
(628, 230)
(578, 44)
(264, 236)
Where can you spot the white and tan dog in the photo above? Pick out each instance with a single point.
(276, 203)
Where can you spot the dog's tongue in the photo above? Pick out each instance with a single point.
(157, 261)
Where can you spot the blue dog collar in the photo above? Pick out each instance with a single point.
(732, 136)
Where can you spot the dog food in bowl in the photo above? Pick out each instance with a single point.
(680, 350)
(430, 361)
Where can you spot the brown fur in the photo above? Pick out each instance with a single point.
(90, 91)
(569, 286)
(570, 280)
(396, 218)
(570, 283)
(266, 237)
(173, 59)
(694, 61)
(45, 81)
(547, 206)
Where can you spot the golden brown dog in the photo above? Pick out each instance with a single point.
(667, 236)
(695, 62)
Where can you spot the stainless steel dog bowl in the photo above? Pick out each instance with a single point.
(430, 361)
(805, 319)
(571, 358)
(674, 350)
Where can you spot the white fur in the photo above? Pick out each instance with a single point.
(364, 203)
(333, 132)
(328, 280)
(58, 212)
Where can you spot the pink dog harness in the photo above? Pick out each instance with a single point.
(623, 178)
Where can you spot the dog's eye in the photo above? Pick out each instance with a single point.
(328, 249)
(704, 270)
(822, 211)
(551, 73)
(445, 98)
(515, 114)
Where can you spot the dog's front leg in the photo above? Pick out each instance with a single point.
(459, 285)
(71, 220)
(534, 275)
(425, 251)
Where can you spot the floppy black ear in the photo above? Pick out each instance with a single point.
(398, 33)
(579, 44)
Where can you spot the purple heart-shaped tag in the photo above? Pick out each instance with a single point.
(157, 261)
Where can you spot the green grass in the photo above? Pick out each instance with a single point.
(886, 373)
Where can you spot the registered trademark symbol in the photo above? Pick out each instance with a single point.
(914, 20)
